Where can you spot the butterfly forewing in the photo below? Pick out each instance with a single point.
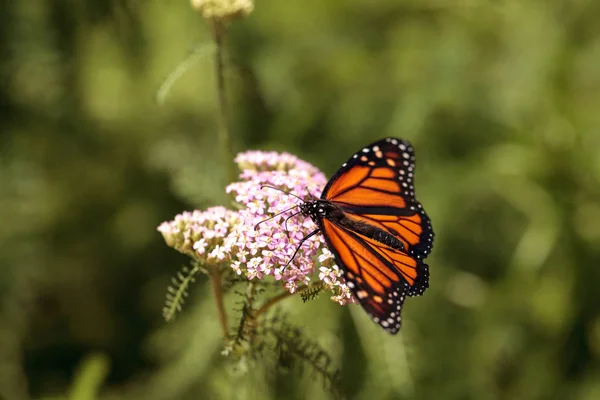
(376, 186)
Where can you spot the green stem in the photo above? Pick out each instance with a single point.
(271, 302)
(215, 280)
(218, 32)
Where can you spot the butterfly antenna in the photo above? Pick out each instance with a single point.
(310, 194)
(304, 239)
(276, 215)
(282, 191)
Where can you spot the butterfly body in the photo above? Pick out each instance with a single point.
(319, 209)
(376, 229)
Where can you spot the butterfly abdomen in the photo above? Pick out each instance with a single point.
(374, 233)
(386, 238)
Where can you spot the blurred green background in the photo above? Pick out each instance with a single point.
(501, 100)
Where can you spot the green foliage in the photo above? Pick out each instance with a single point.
(293, 349)
(273, 340)
(311, 292)
(90, 375)
(178, 292)
(246, 328)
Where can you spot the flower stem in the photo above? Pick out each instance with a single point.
(265, 307)
(215, 280)
(218, 33)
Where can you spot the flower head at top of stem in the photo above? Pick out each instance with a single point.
(223, 9)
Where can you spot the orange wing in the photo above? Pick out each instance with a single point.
(379, 276)
(376, 186)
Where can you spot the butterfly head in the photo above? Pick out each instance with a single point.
(313, 209)
(319, 209)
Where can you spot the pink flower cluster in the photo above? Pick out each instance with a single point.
(200, 234)
(253, 240)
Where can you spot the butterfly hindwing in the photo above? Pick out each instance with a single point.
(379, 276)
(376, 186)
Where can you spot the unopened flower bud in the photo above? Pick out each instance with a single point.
(223, 9)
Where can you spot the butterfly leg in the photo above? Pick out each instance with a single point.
(304, 239)
(287, 232)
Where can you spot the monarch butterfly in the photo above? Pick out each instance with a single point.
(376, 229)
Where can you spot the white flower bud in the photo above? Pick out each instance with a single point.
(223, 9)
